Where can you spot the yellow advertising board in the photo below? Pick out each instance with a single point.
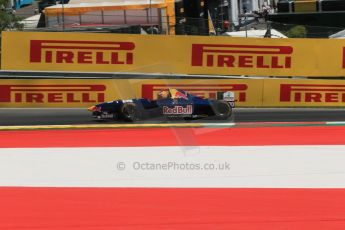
(71, 93)
(221, 55)
(303, 93)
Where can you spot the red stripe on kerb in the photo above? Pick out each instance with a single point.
(317, 135)
(114, 208)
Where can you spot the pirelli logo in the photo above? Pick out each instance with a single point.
(312, 93)
(81, 52)
(150, 91)
(241, 56)
(52, 93)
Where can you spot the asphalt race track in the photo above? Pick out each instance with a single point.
(82, 116)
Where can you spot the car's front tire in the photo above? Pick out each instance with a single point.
(129, 112)
(222, 110)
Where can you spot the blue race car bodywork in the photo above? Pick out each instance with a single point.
(170, 103)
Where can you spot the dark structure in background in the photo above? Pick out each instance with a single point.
(321, 18)
(194, 17)
(191, 17)
(45, 3)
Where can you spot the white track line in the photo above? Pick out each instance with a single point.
(249, 167)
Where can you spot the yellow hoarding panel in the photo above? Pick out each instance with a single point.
(52, 93)
(88, 52)
(247, 92)
(37, 93)
(71, 93)
(304, 93)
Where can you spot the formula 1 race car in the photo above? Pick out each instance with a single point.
(171, 103)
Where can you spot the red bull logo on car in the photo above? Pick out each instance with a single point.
(178, 110)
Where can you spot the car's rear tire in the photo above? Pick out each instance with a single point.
(222, 110)
(129, 112)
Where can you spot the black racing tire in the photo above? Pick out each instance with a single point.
(222, 110)
(129, 112)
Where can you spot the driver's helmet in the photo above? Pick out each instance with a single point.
(164, 94)
(178, 94)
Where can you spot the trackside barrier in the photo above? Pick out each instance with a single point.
(73, 93)
(86, 52)
(85, 92)
(303, 93)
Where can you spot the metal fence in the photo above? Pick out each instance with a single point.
(179, 26)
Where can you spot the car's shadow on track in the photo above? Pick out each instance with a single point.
(165, 120)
